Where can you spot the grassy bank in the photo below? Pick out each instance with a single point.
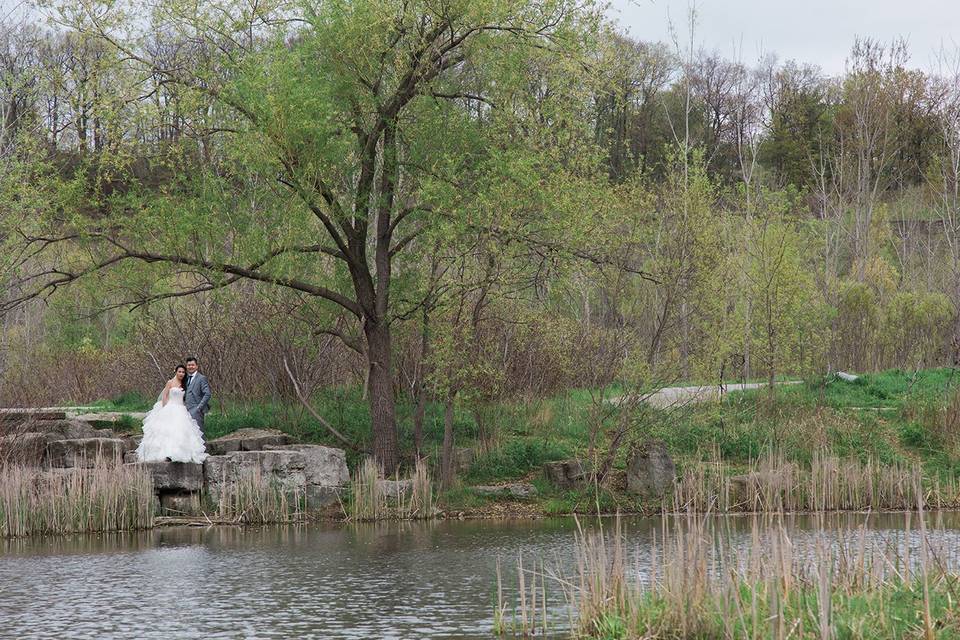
(893, 420)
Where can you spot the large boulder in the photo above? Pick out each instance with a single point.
(247, 440)
(324, 466)
(313, 472)
(650, 470)
(84, 452)
(566, 474)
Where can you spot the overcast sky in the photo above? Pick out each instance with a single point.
(817, 31)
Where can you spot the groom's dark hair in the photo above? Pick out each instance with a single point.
(191, 359)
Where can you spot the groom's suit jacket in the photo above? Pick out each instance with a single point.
(197, 397)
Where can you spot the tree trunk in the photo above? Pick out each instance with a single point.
(382, 402)
(446, 456)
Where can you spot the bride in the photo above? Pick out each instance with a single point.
(169, 432)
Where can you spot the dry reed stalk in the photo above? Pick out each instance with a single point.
(256, 499)
(830, 484)
(106, 497)
(368, 503)
(421, 503)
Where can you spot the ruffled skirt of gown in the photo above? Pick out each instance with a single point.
(169, 431)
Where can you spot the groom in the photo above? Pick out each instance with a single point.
(197, 397)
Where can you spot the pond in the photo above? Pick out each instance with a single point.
(390, 580)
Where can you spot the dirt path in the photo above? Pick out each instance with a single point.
(674, 396)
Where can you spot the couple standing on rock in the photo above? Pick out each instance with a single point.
(173, 429)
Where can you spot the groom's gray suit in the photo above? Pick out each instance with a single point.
(197, 397)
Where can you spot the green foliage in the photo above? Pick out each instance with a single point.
(514, 459)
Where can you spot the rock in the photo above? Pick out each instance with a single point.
(174, 476)
(515, 490)
(24, 448)
(395, 490)
(318, 497)
(650, 470)
(180, 504)
(17, 416)
(84, 452)
(566, 474)
(247, 440)
(324, 466)
(312, 472)
(130, 457)
(848, 377)
(72, 429)
(463, 458)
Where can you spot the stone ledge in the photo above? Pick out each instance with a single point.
(84, 452)
(174, 476)
(247, 440)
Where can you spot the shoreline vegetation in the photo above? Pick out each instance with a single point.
(699, 584)
(819, 446)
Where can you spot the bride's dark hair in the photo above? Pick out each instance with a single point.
(183, 381)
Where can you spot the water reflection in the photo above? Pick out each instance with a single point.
(386, 580)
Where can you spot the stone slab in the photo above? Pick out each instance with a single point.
(84, 452)
(247, 440)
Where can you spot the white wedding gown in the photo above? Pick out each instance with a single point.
(169, 431)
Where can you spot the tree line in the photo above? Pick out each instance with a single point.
(465, 201)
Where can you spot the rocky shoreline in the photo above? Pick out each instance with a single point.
(55, 442)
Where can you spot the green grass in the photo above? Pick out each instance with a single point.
(890, 417)
(893, 612)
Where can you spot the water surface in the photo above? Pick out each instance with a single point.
(396, 580)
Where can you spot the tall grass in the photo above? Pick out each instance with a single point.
(368, 501)
(371, 502)
(697, 584)
(830, 483)
(107, 497)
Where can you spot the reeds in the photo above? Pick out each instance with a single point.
(369, 502)
(830, 483)
(408, 499)
(256, 499)
(107, 497)
(696, 583)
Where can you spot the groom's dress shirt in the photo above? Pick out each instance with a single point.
(189, 380)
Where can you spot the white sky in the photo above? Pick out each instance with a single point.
(816, 31)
